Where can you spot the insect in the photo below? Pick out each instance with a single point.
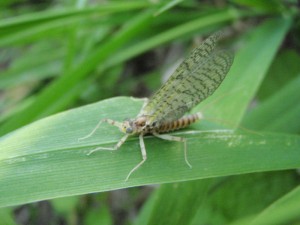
(196, 78)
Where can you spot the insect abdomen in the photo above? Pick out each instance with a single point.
(180, 123)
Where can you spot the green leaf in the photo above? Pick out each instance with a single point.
(19, 22)
(229, 198)
(31, 68)
(286, 62)
(281, 112)
(46, 158)
(202, 24)
(283, 211)
(166, 6)
(7, 217)
(271, 5)
(167, 202)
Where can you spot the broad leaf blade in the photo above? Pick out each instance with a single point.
(44, 160)
(283, 211)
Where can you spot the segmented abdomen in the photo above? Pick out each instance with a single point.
(179, 124)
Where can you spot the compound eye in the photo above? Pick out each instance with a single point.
(129, 130)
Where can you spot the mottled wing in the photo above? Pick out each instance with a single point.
(193, 81)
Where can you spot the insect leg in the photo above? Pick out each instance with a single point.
(118, 145)
(174, 138)
(146, 100)
(109, 121)
(144, 155)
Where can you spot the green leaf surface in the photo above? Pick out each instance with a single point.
(166, 6)
(270, 5)
(48, 161)
(281, 112)
(229, 198)
(7, 216)
(283, 211)
(31, 68)
(165, 204)
(38, 17)
(204, 23)
(287, 62)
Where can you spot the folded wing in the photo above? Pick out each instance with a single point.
(194, 80)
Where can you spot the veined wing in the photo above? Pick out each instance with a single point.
(193, 81)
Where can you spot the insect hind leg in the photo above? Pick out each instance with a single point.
(175, 138)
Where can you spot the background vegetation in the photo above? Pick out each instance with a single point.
(57, 57)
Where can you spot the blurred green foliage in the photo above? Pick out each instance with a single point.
(58, 55)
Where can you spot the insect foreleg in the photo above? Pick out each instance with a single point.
(118, 145)
(109, 121)
(146, 100)
(174, 138)
(144, 155)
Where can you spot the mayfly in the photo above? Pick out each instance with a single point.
(196, 78)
